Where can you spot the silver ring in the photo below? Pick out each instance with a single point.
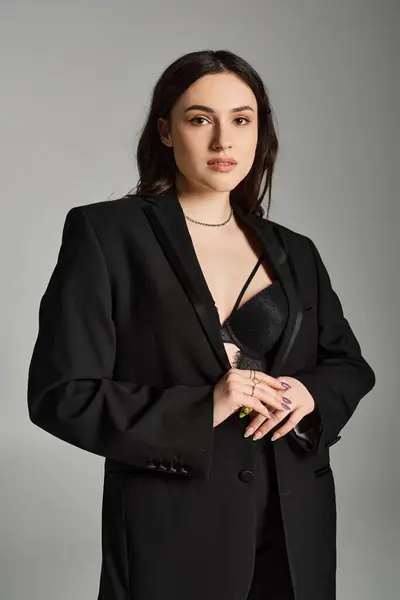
(254, 379)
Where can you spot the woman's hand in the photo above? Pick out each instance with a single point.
(236, 390)
(300, 402)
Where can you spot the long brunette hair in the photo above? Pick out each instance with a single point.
(156, 164)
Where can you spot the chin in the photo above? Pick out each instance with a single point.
(223, 184)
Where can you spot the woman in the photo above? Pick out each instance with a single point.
(170, 314)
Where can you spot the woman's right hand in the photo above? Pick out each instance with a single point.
(234, 390)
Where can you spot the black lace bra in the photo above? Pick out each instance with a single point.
(256, 326)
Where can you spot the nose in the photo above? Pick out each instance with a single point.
(220, 140)
(221, 146)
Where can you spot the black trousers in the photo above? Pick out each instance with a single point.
(271, 578)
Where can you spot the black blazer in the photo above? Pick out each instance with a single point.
(126, 358)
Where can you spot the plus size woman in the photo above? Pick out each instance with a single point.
(178, 323)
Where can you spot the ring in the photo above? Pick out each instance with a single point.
(254, 379)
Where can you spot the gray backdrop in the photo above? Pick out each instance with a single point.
(76, 81)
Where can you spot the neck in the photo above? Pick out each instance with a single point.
(212, 208)
(208, 206)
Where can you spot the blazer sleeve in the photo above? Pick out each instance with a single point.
(71, 391)
(309, 434)
(342, 376)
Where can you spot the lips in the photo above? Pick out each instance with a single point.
(222, 161)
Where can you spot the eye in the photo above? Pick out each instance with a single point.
(204, 119)
(247, 120)
(196, 119)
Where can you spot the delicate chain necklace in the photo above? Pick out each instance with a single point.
(211, 224)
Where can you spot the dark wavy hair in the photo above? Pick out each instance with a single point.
(156, 164)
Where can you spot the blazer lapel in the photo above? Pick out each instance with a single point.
(274, 243)
(168, 222)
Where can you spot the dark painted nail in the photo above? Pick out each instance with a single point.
(271, 414)
(285, 406)
(285, 385)
(286, 400)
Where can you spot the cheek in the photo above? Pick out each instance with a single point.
(186, 153)
(247, 149)
(246, 162)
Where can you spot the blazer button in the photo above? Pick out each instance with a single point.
(246, 476)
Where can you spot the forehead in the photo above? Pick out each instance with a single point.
(220, 91)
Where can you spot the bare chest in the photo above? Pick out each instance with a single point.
(228, 265)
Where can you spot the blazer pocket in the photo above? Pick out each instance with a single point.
(322, 471)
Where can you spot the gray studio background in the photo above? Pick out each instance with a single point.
(76, 80)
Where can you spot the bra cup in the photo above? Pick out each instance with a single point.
(257, 325)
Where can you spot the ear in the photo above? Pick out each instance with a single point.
(164, 132)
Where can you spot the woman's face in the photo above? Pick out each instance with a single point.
(200, 134)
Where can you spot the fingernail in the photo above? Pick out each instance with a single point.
(285, 385)
(285, 406)
(249, 432)
(286, 400)
(275, 436)
(257, 436)
(271, 414)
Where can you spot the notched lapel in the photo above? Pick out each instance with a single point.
(166, 217)
(278, 254)
(167, 220)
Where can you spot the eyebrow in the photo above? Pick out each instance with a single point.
(212, 111)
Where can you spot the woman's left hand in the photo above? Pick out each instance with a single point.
(301, 404)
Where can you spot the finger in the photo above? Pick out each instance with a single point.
(255, 404)
(261, 376)
(263, 397)
(293, 420)
(237, 376)
(290, 424)
(244, 400)
(269, 396)
(269, 424)
(254, 425)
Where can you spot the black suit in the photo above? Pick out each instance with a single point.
(127, 355)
